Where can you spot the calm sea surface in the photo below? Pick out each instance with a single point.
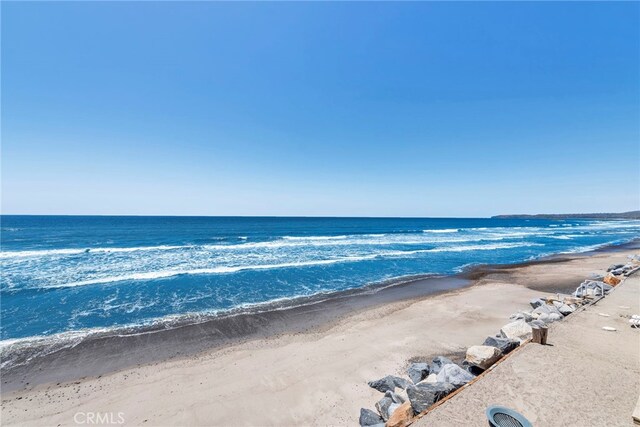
(62, 274)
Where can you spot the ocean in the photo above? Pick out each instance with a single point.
(76, 274)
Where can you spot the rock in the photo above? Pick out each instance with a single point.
(472, 369)
(612, 280)
(566, 309)
(547, 309)
(438, 363)
(596, 276)
(395, 397)
(483, 356)
(402, 394)
(521, 315)
(418, 371)
(504, 344)
(425, 395)
(382, 406)
(388, 404)
(454, 375)
(389, 383)
(402, 416)
(370, 418)
(615, 267)
(550, 318)
(537, 324)
(431, 378)
(618, 271)
(518, 330)
(536, 302)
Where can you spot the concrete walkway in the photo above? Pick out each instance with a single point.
(585, 377)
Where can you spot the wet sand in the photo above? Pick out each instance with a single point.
(304, 365)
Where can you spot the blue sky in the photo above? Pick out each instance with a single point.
(358, 109)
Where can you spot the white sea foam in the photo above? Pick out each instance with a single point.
(58, 252)
(305, 238)
(162, 274)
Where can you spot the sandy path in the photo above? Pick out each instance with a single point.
(294, 379)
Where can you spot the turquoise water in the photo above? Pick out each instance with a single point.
(62, 274)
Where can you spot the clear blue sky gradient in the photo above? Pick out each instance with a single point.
(359, 109)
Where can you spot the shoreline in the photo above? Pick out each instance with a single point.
(295, 374)
(47, 360)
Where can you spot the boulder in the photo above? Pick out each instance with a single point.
(431, 378)
(382, 406)
(438, 363)
(612, 280)
(483, 356)
(471, 368)
(596, 276)
(618, 271)
(518, 330)
(550, 318)
(370, 418)
(615, 267)
(454, 375)
(395, 397)
(545, 309)
(389, 383)
(537, 302)
(425, 395)
(521, 315)
(388, 404)
(402, 394)
(566, 309)
(418, 371)
(504, 344)
(537, 324)
(402, 416)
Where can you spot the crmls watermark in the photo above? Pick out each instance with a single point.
(95, 418)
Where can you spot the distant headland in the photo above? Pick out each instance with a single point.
(621, 215)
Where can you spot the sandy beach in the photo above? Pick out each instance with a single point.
(316, 375)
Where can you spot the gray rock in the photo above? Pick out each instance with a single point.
(383, 406)
(431, 378)
(566, 309)
(550, 318)
(396, 398)
(368, 418)
(418, 371)
(425, 395)
(438, 363)
(554, 317)
(521, 315)
(471, 368)
(536, 302)
(615, 267)
(389, 383)
(454, 375)
(547, 308)
(504, 344)
(538, 324)
(619, 271)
